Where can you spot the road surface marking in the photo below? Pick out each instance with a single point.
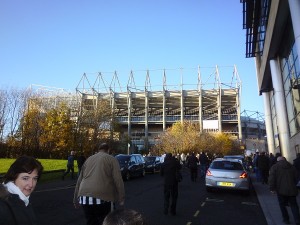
(203, 204)
(214, 200)
(55, 189)
(249, 203)
(189, 223)
(196, 214)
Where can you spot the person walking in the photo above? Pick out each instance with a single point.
(203, 163)
(256, 169)
(193, 165)
(282, 180)
(99, 186)
(19, 182)
(70, 165)
(263, 165)
(80, 161)
(168, 171)
(272, 160)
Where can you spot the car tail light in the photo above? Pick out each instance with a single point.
(208, 173)
(244, 175)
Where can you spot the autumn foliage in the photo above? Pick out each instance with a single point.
(186, 138)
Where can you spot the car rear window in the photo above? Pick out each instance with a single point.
(226, 165)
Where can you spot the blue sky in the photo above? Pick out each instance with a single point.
(53, 42)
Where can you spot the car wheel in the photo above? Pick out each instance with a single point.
(127, 176)
(143, 173)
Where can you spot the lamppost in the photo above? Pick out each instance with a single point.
(128, 149)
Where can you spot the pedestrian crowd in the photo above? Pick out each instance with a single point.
(282, 178)
(100, 189)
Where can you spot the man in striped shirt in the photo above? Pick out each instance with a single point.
(99, 186)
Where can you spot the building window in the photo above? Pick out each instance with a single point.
(291, 82)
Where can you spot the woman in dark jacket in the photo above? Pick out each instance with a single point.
(19, 182)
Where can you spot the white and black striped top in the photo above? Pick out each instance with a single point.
(86, 200)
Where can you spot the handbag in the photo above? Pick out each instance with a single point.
(178, 176)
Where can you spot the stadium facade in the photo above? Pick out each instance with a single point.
(144, 112)
(273, 38)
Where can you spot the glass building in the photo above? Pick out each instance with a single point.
(273, 39)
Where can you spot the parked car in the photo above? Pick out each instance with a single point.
(153, 163)
(131, 165)
(227, 174)
(240, 157)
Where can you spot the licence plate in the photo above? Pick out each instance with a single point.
(226, 184)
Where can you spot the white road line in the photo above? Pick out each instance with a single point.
(249, 203)
(189, 223)
(203, 204)
(54, 189)
(196, 213)
(214, 200)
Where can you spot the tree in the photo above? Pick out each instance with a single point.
(31, 131)
(57, 137)
(181, 137)
(185, 137)
(3, 113)
(94, 125)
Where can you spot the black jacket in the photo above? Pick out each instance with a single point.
(13, 210)
(193, 161)
(203, 159)
(263, 162)
(283, 178)
(168, 170)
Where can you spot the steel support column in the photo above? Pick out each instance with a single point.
(268, 121)
(219, 99)
(182, 106)
(200, 112)
(238, 110)
(146, 120)
(129, 107)
(280, 106)
(164, 110)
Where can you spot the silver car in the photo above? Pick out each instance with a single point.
(227, 174)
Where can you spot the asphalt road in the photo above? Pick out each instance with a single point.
(53, 205)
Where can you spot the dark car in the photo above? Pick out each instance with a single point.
(131, 165)
(153, 163)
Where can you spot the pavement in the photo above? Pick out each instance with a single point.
(269, 203)
(267, 200)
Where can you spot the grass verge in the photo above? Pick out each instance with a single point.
(53, 168)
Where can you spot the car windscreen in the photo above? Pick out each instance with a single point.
(149, 159)
(226, 165)
(123, 159)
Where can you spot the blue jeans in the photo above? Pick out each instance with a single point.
(257, 174)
